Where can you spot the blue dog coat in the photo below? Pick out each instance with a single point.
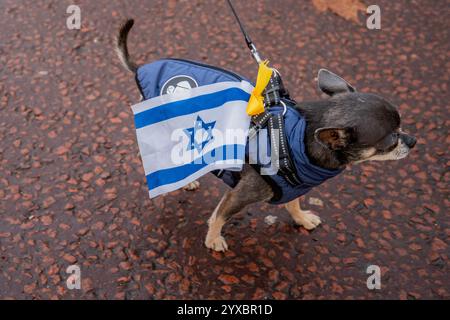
(172, 75)
(169, 75)
(309, 174)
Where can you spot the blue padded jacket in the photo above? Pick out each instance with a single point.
(310, 174)
(168, 75)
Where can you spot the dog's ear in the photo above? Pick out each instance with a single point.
(335, 138)
(332, 84)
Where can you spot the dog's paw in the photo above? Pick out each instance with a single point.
(217, 244)
(194, 185)
(308, 220)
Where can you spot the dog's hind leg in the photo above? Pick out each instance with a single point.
(302, 217)
(250, 189)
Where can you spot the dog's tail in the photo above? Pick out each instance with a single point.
(121, 46)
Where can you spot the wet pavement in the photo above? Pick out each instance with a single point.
(72, 187)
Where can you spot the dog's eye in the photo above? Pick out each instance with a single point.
(388, 143)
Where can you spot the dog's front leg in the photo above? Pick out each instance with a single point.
(191, 186)
(250, 189)
(302, 217)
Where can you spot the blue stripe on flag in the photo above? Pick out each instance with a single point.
(187, 106)
(171, 175)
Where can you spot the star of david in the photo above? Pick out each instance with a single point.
(200, 129)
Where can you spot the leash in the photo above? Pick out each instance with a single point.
(247, 38)
(274, 89)
(269, 92)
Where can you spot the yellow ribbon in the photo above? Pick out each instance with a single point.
(256, 103)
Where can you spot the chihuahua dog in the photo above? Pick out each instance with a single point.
(348, 127)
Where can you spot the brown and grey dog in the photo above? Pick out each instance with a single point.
(348, 127)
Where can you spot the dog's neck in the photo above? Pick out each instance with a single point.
(318, 154)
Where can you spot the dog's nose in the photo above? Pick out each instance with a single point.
(410, 141)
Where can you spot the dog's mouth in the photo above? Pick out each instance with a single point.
(394, 146)
(399, 151)
(404, 146)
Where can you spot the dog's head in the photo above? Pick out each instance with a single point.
(356, 126)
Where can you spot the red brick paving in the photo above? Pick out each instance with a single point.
(72, 187)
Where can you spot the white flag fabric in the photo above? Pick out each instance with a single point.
(184, 135)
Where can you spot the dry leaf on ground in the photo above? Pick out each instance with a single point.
(347, 9)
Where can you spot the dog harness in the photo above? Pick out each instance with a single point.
(296, 175)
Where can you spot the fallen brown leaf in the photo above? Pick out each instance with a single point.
(347, 9)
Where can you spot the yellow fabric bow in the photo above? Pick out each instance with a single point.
(256, 103)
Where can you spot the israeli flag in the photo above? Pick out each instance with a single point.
(186, 134)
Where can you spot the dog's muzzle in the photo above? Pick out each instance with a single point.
(410, 141)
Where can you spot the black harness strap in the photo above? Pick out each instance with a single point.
(274, 121)
(275, 90)
(285, 163)
(278, 142)
(272, 92)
